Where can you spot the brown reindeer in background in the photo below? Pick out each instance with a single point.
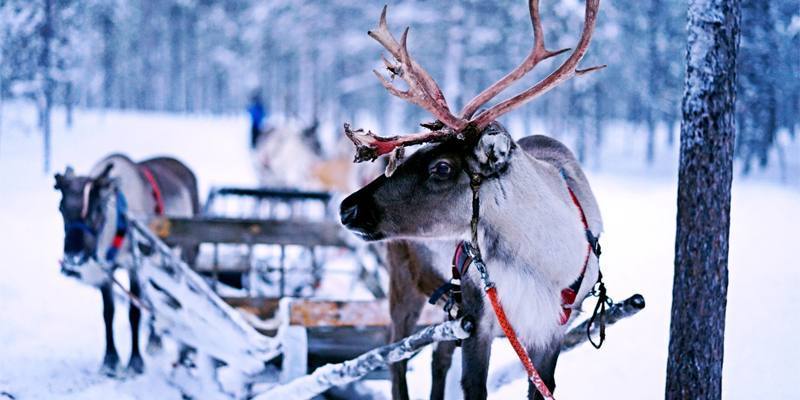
(532, 232)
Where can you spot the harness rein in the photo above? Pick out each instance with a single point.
(468, 253)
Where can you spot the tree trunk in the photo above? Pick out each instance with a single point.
(598, 98)
(107, 56)
(2, 99)
(656, 75)
(45, 65)
(68, 103)
(175, 53)
(650, 154)
(699, 294)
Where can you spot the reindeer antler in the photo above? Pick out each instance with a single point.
(567, 70)
(424, 92)
(370, 146)
(538, 53)
(422, 89)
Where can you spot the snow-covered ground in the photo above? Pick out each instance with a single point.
(51, 339)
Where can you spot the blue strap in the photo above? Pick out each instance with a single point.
(121, 228)
(122, 211)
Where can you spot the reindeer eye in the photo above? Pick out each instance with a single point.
(442, 169)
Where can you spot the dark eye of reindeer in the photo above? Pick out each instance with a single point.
(442, 169)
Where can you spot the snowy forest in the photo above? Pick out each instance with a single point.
(205, 227)
(312, 60)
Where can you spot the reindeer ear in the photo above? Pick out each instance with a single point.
(59, 182)
(104, 179)
(61, 179)
(492, 152)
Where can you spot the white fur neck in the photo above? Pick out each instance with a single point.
(533, 244)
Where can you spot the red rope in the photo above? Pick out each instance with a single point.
(156, 190)
(533, 375)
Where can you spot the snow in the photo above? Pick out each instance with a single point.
(51, 330)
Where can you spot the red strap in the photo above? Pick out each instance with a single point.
(568, 294)
(533, 375)
(156, 190)
(578, 204)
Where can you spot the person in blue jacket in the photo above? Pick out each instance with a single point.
(258, 113)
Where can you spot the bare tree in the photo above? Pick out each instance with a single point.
(699, 293)
(48, 83)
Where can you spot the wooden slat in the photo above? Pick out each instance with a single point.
(332, 345)
(191, 231)
(269, 193)
(313, 313)
(337, 330)
(327, 313)
(263, 308)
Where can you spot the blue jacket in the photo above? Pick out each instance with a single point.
(257, 114)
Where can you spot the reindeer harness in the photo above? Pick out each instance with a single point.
(122, 225)
(468, 253)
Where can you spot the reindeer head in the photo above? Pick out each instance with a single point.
(83, 206)
(429, 194)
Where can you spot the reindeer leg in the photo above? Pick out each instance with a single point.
(111, 358)
(545, 362)
(405, 305)
(476, 350)
(136, 363)
(154, 344)
(442, 359)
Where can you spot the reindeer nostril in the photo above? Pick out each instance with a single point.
(348, 214)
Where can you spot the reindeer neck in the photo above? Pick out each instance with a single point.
(136, 190)
(529, 224)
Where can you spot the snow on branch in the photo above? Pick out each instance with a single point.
(330, 375)
(617, 312)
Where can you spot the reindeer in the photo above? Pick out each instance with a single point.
(288, 156)
(96, 240)
(525, 205)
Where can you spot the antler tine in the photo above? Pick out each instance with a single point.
(538, 54)
(423, 90)
(566, 71)
(385, 38)
(370, 146)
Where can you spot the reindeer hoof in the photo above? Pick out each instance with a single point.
(154, 345)
(110, 365)
(135, 365)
